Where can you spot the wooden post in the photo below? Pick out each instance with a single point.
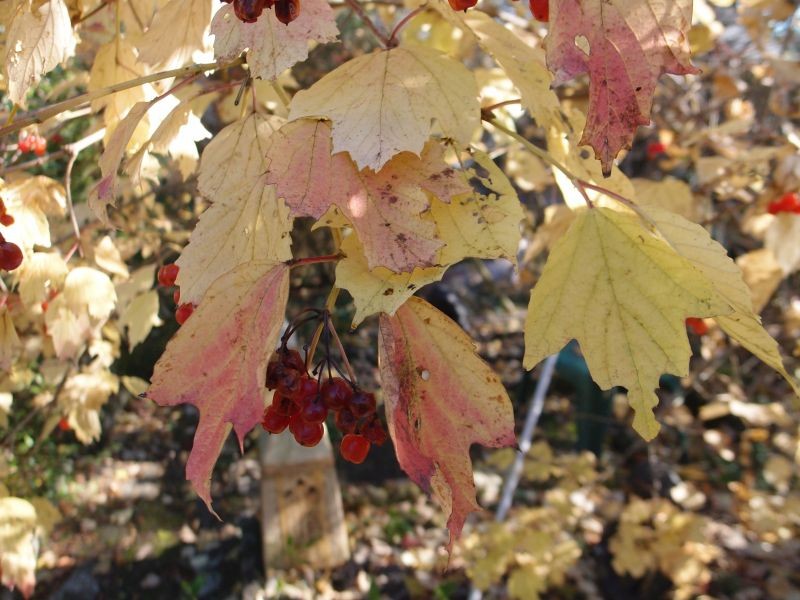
(301, 504)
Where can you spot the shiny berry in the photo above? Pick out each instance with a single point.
(697, 326)
(183, 312)
(346, 421)
(284, 405)
(6, 220)
(655, 149)
(305, 433)
(287, 11)
(362, 403)
(788, 203)
(373, 430)
(167, 275)
(248, 11)
(39, 146)
(336, 393)
(10, 256)
(307, 388)
(25, 144)
(273, 421)
(176, 296)
(354, 448)
(540, 9)
(313, 410)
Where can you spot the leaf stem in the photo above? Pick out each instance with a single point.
(392, 41)
(497, 105)
(362, 14)
(47, 112)
(342, 353)
(545, 156)
(313, 260)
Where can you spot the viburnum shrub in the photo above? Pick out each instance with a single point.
(402, 151)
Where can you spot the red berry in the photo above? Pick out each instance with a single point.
(307, 388)
(289, 383)
(293, 360)
(10, 256)
(305, 433)
(540, 9)
(63, 424)
(789, 202)
(362, 403)
(183, 312)
(167, 275)
(697, 326)
(176, 296)
(287, 11)
(346, 421)
(313, 410)
(284, 405)
(6, 220)
(39, 146)
(336, 393)
(655, 149)
(282, 362)
(274, 422)
(354, 448)
(25, 143)
(248, 11)
(373, 430)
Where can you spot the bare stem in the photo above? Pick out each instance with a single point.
(342, 353)
(362, 14)
(313, 260)
(491, 107)
(545, 156)
(392, 42)
(47, 112)
(73, 150)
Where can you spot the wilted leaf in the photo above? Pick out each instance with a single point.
(388, 102)
(384, 207)
(624, 295)
(39, 37)
(440, 399)
(624, 46)
(82, 398)
(273, 47)
(218, 359)
(140, 316)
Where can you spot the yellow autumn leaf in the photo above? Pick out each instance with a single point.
(744, 325)
(670, 194)
(379, 289)
(477, 225)
(30, 200)
(140, 316)
(9, 340)
(623, 293)
(17, 544)
(762, 274)
(391, 101)
(177, 31)
(246, 220)
(38, 38)
(83, 396)
(781, 238)
(40, 273)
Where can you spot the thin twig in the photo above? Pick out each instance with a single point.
(47, 112)
(362, 14)
(342, 353)
(392, 41)
(491, 107)
(313, 260)
(73, 150)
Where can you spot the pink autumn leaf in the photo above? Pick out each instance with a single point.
(624, 46)
(384, 207)
(273, 47)
(218, 359)
(440, 398)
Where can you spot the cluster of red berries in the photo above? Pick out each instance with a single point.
(32, 143)
(302, 403)
(166, 278)
(788, 203)
(248, 11)
(10, 255)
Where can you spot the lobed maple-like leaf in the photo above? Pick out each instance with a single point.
(246, 220)
(624, 46)
(218, 358)
(694, 243)
(38, 38)
(271, 46)
(440, 398)
(624, 294)
(383, 206)
(389, 101)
